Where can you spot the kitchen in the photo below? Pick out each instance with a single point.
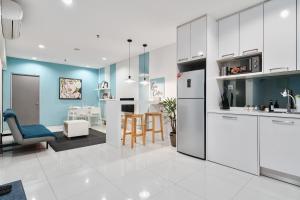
(252, 61)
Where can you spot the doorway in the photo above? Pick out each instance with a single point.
(25, 98)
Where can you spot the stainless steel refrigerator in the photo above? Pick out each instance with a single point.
(191, 113)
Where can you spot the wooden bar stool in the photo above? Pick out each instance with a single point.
(153, 129)
(133, 129)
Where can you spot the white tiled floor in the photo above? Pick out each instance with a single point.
(154, 172)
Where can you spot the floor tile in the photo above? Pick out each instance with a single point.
(275, 188)
(39, 191)
(175, 193)
(76, 183)
(210, 187)
(141, 184)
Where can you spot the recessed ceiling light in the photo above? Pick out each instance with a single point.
(68, 2)
(284, 13)
(34, 58)
(41, 46)
(103, 58)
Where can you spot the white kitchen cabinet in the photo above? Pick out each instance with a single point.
(229, 36)
(251, 30)
(280, 144)
(198, 38)
(232, 141)
(280, 35)
(183, 42)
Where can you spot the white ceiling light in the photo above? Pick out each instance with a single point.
(129, 80)
(284, 13)
(103, 58)
(68, 2)
(34, 58)
(41, 46)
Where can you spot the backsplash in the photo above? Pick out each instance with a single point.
(259, 91)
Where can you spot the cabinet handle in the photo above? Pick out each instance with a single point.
(250, 50)
(279, 68)
(283, 122)
(229, 117)
(183, 59)
(199, 56)
(228, 55)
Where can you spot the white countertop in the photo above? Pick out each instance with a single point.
(244, 111)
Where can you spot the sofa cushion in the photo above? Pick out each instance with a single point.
(35, 131)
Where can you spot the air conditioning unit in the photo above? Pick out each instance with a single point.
(12, 15)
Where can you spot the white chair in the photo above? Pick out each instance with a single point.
(94, 115)
(72, 112)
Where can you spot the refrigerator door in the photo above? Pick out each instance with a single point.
(191, 84)
(191, 127)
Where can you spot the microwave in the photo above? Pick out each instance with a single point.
(242, 65)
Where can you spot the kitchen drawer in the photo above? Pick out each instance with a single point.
(232, 140)
(280, 144)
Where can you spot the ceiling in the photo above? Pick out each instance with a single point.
(62, 28)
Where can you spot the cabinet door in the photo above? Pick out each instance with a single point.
(298, 35)
(232, 141)
(280, 35)
(280, 144)
(198, 38)
(251, 30)
(229, 36)
(183, 42)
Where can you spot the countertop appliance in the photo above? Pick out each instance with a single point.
(191, 113)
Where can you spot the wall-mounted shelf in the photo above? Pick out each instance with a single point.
(257, 75)
(102, 89)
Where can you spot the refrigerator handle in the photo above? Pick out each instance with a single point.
(189, 83)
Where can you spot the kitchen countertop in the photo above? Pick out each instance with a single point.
(243, 111)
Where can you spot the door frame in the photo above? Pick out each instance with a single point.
(31, 75)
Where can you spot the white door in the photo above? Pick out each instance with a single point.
(183, 43)
(229, 36)
(198, 38)
(251, 30)
(280, 35)
(279, 144)
(232, 141)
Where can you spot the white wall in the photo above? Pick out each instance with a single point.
(162, 63)
(127, 90)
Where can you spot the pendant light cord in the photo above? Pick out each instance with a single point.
(144, 45)
(129, 41)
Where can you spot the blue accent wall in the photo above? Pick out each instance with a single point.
(113, 83)
(53, 111)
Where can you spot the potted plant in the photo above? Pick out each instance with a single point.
(169, 105)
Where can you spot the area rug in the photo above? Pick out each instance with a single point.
(63, 143)
(17, 192)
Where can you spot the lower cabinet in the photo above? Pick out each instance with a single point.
(232, 140)
(280, 144)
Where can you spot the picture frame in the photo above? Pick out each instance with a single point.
(70, 88)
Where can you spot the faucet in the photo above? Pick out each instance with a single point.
(286, 93)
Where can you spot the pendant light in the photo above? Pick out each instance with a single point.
(144, 82)
(129, 80)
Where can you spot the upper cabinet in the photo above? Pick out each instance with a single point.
(183, 42)
(198, 38)
(298, 35)
(251, 30)
(229, 36)
(191, 40)
(280, 35)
